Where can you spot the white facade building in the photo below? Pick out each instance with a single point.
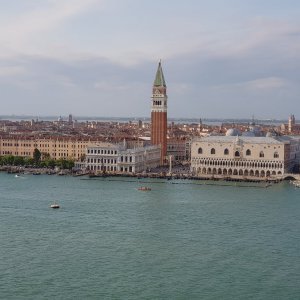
(117, 158)
(244, 156)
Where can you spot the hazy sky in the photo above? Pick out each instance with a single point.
(221, 58)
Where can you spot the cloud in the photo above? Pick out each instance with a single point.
(262, 84)
(270, 83)
(90, 54)
(11, 71)
(22, 31)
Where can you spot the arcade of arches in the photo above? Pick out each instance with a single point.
(228, 167)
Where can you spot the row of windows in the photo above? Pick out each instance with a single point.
(110, 168)
(126, 159)
(237, 153)
(41, 145)
(256, 173)
(102, 168)
(16, 145)
(247, 164)
(101, 160)
(94, 151)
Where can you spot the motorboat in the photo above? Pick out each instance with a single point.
(54, 205)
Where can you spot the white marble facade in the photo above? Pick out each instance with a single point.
(118, 158)
(244, 156)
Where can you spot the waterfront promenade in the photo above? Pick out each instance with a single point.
(159, 173)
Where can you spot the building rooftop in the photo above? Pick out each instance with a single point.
(159, 78)
(243, 139)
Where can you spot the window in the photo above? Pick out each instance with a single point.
(200, 151)
(261, 154)
(213, 151)
(248, 152)
(276, 155)
(237, 154)
(226, 151)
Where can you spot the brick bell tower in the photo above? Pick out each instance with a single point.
(159, 113)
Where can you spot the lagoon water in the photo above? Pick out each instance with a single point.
(181, 240)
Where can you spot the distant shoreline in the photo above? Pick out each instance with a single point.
(212, 121)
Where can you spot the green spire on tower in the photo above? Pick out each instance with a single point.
(159, 78)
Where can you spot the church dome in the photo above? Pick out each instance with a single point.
(232, 132)
(256, 130)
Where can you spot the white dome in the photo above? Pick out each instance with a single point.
(232, 132)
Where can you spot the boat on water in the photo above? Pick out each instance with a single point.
(54, 205)
(144, 188)
(297, 184)
(61, 173)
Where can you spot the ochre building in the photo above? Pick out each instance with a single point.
(57, 148)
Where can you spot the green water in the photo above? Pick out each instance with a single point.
(181, 240)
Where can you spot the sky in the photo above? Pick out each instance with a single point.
(221, 58)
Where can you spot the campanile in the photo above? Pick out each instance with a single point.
(159, 113)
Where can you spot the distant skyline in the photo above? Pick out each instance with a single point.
(221, 59)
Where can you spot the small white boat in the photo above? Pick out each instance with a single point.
(54, 205)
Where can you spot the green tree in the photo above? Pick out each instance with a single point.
(49, 163)
(28, 161)
(18, 161)
(37, 156)
(8, 160)
(70, 164)
(45, 156)
(65, 164)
